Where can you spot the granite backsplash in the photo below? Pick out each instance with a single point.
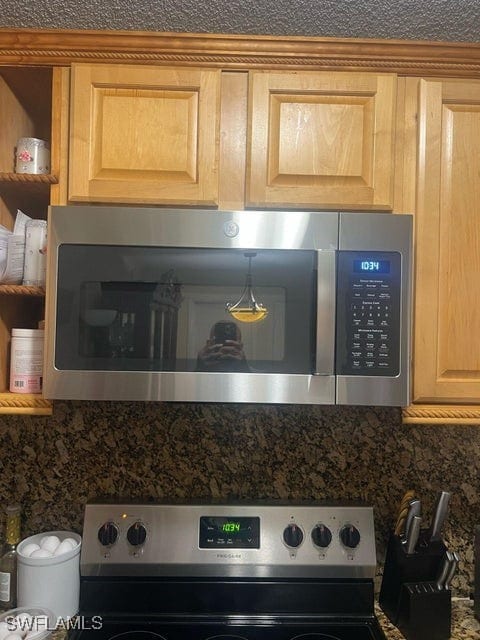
(53, 465)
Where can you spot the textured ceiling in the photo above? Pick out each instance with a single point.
(454, 20)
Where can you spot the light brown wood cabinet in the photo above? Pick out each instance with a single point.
(33, 103)
(321, 140)
(151, 135)
(144, 134)
(447, 309)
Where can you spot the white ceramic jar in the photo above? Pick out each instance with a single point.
(52, 582)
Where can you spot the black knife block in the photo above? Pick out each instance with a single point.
(422, 566)
(424, 611)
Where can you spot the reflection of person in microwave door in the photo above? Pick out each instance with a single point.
(223, 351)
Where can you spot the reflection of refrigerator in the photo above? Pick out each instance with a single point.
(164, 307)
(134, 320)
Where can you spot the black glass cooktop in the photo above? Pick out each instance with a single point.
(265, 630)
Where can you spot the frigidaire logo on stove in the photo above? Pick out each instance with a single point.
(229, 556)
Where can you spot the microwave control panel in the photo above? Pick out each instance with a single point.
(368, 313)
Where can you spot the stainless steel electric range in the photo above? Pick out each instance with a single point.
(230, 571)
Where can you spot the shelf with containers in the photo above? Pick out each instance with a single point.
(33, 103)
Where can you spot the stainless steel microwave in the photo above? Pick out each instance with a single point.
(191, 305)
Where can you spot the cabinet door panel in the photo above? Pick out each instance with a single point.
(321, 139)
(447, 323)
(144, 134)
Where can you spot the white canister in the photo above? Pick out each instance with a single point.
(32, 156)
(26, 360)
(35, 265)
(52, 582)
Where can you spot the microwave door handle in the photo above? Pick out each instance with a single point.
(326, 301)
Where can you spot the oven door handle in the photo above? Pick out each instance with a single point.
(326, 312)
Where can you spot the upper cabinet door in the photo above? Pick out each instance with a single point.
(144, 134)
(322, 140)
(447, 308)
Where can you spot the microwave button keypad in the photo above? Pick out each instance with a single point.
(369, 333)
(370, 320)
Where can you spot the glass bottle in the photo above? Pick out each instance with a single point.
(8, 559)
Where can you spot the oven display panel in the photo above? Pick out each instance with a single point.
(225, 532)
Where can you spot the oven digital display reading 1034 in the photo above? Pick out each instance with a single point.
(220, 532)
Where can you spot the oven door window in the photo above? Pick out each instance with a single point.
(123, 308)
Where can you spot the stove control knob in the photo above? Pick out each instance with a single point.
(350, 536)
(293, 535)
(137, 534)
(321, 536)
(108, 534)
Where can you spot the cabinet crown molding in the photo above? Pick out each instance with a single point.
(409, 57)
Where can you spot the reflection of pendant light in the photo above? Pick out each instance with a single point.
(247, 309)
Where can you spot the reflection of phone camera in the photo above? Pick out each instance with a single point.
(225, 331)
(230, 332)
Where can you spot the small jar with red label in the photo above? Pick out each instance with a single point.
(26, 360)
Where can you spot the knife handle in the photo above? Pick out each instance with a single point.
(439, 516)
(400, 524)
(451, 570)
(403, 511)
(447, 559)
(413, 534)
(414, 509)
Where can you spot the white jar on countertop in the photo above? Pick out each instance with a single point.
(26, 360)
(52, 582)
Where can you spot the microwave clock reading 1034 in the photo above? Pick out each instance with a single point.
(371, 266)
(229, 532)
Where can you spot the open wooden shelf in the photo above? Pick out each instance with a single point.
(24, 404)
(28, 178)
(21, 290)
(34, 103)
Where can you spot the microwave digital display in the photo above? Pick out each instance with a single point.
(368, 265)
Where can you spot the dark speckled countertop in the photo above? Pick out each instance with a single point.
(464, 625)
